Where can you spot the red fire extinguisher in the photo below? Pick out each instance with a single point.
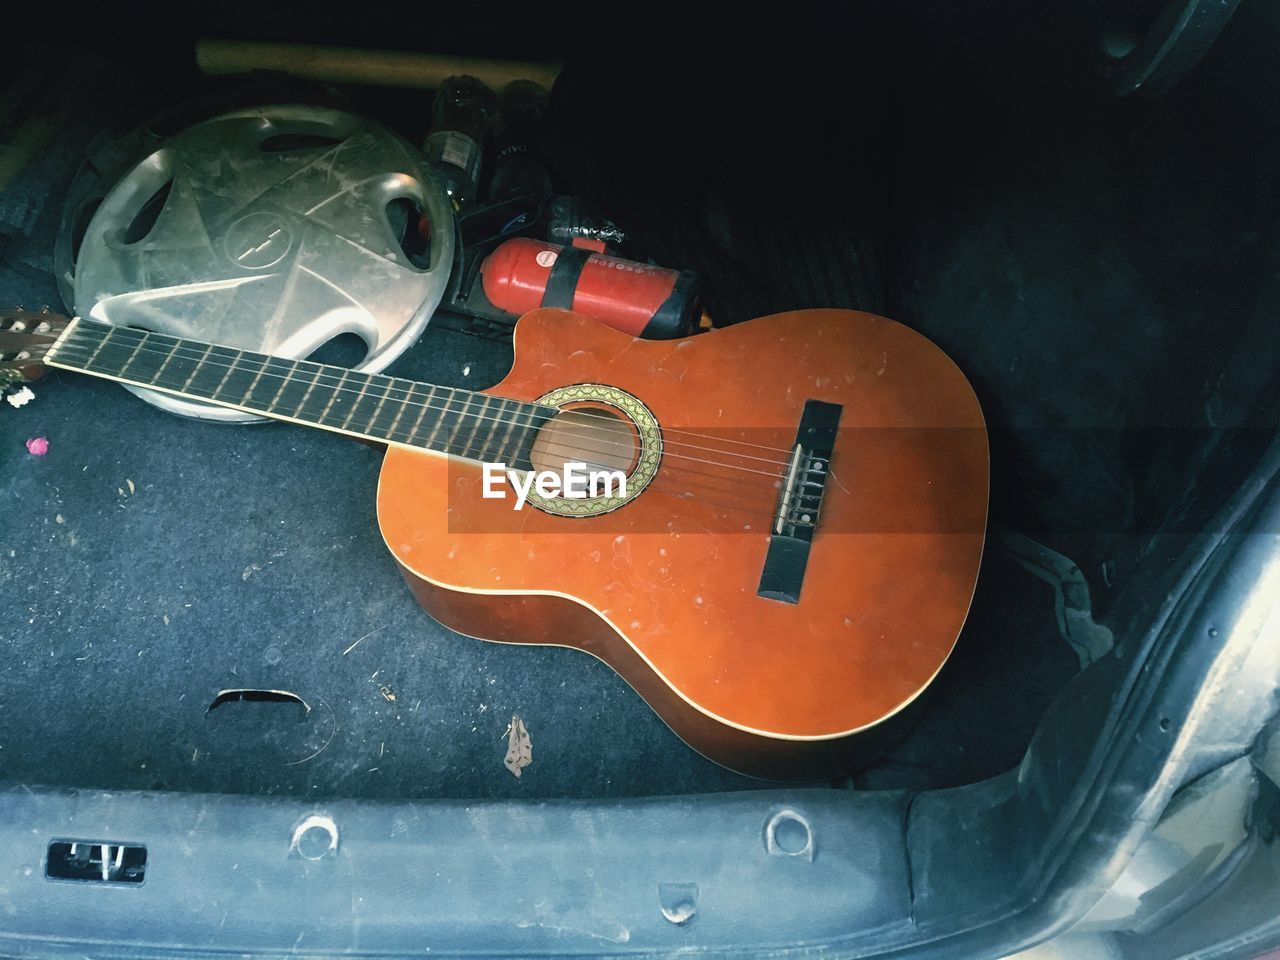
(637, 298)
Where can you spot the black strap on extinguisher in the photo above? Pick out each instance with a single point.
(562, 282)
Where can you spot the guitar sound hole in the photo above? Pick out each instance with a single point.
(596, 436)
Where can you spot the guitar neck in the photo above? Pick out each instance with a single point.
(460, 423)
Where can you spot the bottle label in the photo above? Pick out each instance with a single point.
(512, 150)
(452, 147)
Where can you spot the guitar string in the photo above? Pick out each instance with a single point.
(661, 483)
(471, 400)
(755, 500)
(668, 483)
(771, 487)
(762, 510)
(322, 368)
(770, 492)
(714, 480)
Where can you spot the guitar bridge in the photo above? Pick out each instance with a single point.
(800, 503)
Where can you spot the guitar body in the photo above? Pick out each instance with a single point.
(666, 587)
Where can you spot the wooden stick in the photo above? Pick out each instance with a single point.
(377, 68)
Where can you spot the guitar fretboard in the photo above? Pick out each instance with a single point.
(461, 423)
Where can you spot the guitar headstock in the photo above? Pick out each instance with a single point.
(25, 337)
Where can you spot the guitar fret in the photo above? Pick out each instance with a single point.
(493, 417)
(503, 412)
(104, 359)
(173, 372)
(506, 436)
(242, 379)
(217, 366)
(522, 459)
(401, 408)
(230, 370)
(315, 382)
(382, 402)
(203, 357)
(156, 357)
(477, 422)
(284, 382)
(426, 405)
(444, 412)
(461, 412)
(453, 421)
(96, 350)
(333, 396)
(262, 368)
(295, 388)
(133, 356)
(496, 444)
(356, 403)
(172, 353)
(94, 362)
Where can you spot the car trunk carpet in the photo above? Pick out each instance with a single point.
(148, 562)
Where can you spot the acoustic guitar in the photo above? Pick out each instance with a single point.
(772, 531)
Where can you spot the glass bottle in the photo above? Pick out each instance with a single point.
(455, 146)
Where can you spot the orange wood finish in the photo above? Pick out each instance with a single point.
(534, 619)
(665, 587)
